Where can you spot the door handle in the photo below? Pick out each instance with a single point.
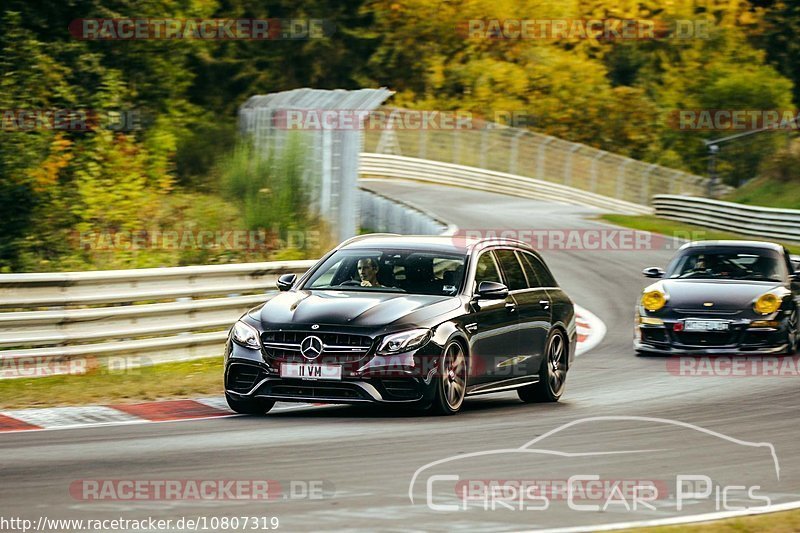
(545, 304)
(511, 306)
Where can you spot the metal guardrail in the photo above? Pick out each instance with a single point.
(380, 214)
(440, 173)
(151, 315)
(762, 222)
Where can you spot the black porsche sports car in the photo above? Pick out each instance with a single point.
(423, 321)
(721, 297)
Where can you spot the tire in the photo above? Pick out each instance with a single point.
(552, 372)
(249, 406)
(794, 343)
(451, 381)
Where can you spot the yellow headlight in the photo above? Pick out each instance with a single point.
(653, 300)
(767, 304)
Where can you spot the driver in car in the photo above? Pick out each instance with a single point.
(368, 272)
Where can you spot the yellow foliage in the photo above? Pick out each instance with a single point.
(46, 174)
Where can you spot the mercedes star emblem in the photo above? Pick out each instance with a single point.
(311, 347)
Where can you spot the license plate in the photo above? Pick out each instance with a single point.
(705, 325)
(306, 371)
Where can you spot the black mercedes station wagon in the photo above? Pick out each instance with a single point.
(421, 321)
(721, 297)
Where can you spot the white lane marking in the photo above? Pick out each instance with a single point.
(71, 416)
(677, 520)
(596, 330)
(219, 402)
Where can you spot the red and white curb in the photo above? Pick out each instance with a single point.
(132, 413)
(590, 332)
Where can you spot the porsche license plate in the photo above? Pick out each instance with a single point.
(706, 325)
(307, 371)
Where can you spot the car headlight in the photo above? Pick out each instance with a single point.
(246, 335)
(404, 341)
(767, 304)
(654, 300)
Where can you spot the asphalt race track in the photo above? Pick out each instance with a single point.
(366, 458)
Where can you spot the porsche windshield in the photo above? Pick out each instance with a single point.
(758, 265)
(408, 271)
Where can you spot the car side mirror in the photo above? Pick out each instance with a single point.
(653, 272)
(491, 290)
(286, 281)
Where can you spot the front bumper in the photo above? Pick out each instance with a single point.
(246, 380)
(740, 339)
(404, 379)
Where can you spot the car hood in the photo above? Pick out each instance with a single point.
(724, 294)
(351, 308)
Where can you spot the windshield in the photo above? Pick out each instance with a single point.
(707, 264)
(408, 271)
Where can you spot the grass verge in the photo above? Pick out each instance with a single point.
(185, 379)
(784, 522)
(673, 228)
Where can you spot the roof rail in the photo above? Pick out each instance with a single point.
(359, 237)
(495, 240)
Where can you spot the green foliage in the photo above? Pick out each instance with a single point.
(171, 174)
(272, 193)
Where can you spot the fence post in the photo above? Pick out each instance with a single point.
(484, 146)
(593, 182)
(540, 160)
(675, 177)
(568, 163)
(456, 136)
(512, 160)
(645, 191)
(621, 178)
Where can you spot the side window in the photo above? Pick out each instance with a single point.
(533, 279)
(542, 273)
(486, 269)
(512, 270)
